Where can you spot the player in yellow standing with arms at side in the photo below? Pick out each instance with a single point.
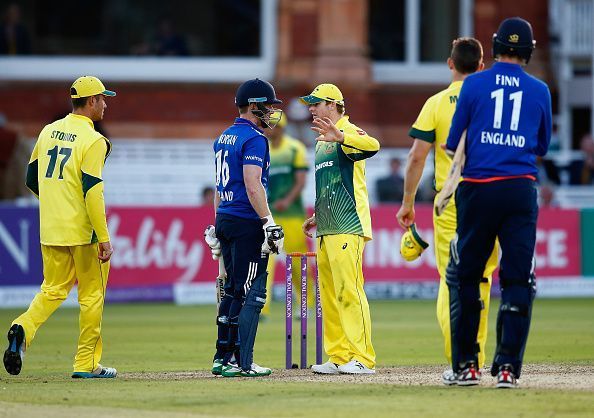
(65, 172)
(431, 131)
(288, 169)
(343, 226)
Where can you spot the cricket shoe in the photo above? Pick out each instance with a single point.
(470, 375)
(506, 379)
(326, 368)
(449, 378)
(355, 367)
(99, 373)
(15, 353)
(231, 370)
(256, 371)
(217, 367)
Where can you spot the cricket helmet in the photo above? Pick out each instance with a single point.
(255, 91)
(514, 37)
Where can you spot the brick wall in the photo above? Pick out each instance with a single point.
(203, 110)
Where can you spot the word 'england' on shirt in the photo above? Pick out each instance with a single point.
(226, 195)
(227, 139)
(507, 80)
(499, 138)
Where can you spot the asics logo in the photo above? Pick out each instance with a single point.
(324, 165)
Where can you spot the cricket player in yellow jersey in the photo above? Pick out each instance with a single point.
(65, 173)
(343, 226)
(288, 169)
(431, 131)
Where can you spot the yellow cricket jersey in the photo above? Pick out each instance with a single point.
(342, 204)
(290, 156)
(433, 125)
(65, 173)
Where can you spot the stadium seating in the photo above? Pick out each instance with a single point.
(174, 172)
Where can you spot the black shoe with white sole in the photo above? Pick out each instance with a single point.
(13, 356)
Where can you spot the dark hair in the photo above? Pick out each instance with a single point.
(80, 102)
(466, 54)
(243, 109)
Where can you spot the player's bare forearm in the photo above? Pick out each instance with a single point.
(256, 193)
(258, 200)
(414, 170)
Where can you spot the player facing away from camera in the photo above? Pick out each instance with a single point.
(507, 115)
(430, 130)
(343, 226)
(244, 228)
(65, 173)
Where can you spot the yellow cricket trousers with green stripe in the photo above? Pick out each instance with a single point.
(62, 267)
(295, 241)
(346, 318)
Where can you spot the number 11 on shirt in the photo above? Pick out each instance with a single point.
(516, 97)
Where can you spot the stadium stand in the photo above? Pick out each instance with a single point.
(173, 172)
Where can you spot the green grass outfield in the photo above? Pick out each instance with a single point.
(167, 338)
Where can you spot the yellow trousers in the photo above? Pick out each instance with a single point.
(444, 228)
(295, 241)
(62, 267)
(346, 318)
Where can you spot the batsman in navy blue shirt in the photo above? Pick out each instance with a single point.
(244, 232)
(507, 117)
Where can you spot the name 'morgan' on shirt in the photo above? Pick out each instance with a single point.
(243, 143)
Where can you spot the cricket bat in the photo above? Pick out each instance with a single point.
(220, 282)
(451, 183)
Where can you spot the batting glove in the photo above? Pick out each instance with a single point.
(213, 242)
(274, 236)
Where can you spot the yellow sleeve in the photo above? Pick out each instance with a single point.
(32, 181)
(92, 182)
(300, 161)
(424, 126)
(358, 145)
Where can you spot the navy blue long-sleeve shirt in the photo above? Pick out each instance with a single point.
(508, 117)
